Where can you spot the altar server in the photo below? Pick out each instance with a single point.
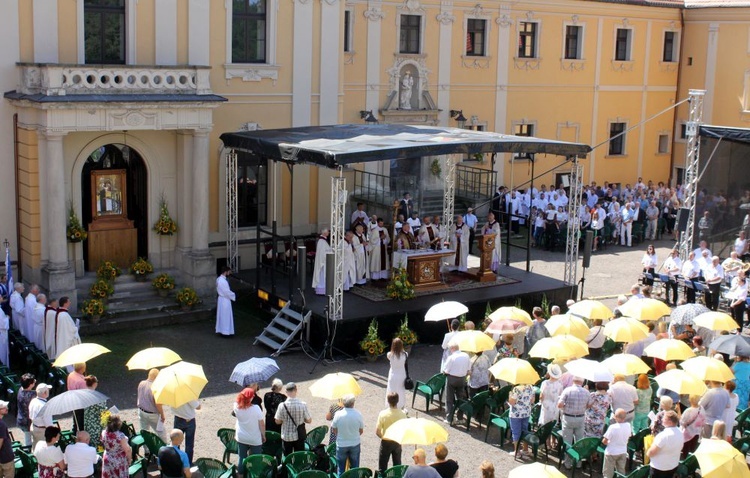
(350, 262)
(460, 243)
(66, 331)
(493, 228)
(379, 240)
(319, 271)
(224, 315)
(17, 306)
(38, 321)
(28, 312)
(50, 311)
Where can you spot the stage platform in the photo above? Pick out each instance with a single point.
(515, 285)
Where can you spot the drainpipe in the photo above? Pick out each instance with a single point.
(675, 129)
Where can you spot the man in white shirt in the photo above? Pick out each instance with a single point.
(714, 276)
(595, 340)
(81, 457)
(673, 266)
(624, 396)
(689, 272)
(666, 447)
(456, 368)
(39, 422)
(616, 440)
(414, 221)
(702, 246)
(184, 419)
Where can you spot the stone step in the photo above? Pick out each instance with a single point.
(147, 319)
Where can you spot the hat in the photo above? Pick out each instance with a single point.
(554, 370)
(3, 404)
(42, 387)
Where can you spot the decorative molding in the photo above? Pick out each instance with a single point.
(668, 66)
(476, 62)
(504, 20)
(478, 11)
(349, 57)
(374, 14)
(411, 6)
(574, 19)
(625, 22)
(445, 18)
(135, 120)
(572, 65)
(249, 127)
(527, 64)
(329, 2)
(625, 66)
(530, 15)
(251, 72)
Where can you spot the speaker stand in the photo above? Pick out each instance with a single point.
(582, 281)
(328, 348)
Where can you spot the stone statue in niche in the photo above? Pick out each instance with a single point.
(407, 85)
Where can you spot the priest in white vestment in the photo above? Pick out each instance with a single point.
(38, 321)
(224, 315)
(350, 266)
(440, 231)
(17, 306)
(493, 228)
(319, 270)
(50, 312)
(4, 347)
(28, 312)
(460, 243)
(66, 331)
(428, 234)
(379, 239)
(361, 245)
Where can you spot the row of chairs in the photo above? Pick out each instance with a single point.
(305, 464)
(27, 357)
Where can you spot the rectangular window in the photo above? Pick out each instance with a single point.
(573, 38)
(252, 191)
(663, 143)
(104, 31)
(523, 130)
(249, 31)
(410, 34)
(475, 37)
(527, 40)
(670, 50)
(347, 30)
(622, 44)
(616, 139)
(683, 131)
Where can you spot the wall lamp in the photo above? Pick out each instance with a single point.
(459, 117)
(368, 116)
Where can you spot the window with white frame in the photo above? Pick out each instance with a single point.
(476, 37)
(104, 31)
(663, 145)
(410, 31)
(573, 42)
(249, 31)
(348, 30)
(528, 39)
(617, 138)
(670, 48)
(523, 129)
(623, 40)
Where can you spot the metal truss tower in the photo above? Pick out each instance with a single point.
(692, 164)
(571, 242)
(449, 191)
(338, 227)
(231, 198)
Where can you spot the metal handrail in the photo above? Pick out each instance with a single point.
(474, 183)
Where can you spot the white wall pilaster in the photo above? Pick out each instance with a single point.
(45, 31)
(712, 52)
(165, 32)
(644, 101)
(374, 16)
(302, 62)
(185, 190)
(501, 95)
(446, 20)
(330, 59)
(199, 26)
(56, 219)
(200, 191)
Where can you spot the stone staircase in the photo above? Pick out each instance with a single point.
(138, 305)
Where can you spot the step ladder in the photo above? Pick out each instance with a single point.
(280, 333)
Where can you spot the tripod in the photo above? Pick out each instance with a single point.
(328, 347)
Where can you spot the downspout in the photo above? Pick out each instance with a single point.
(675, 129)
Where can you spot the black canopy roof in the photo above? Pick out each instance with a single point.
(339, 145)
(726, 133)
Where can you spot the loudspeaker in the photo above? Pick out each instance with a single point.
(682, 219)
(589, 242)
(302, 267)
(330, 272)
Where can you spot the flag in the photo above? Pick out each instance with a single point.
(8, 269)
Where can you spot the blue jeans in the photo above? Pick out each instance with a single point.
(244, 451)
(350, 452)
(188, 428)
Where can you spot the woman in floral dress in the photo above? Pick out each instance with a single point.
(92, 416)
(596, 411)
(551, 390)
(521, 400)
(117, 452)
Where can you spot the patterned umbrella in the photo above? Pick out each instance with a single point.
(686, 314)
(253, 371)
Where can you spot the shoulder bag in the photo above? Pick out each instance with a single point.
(301, 430)
(408, 382)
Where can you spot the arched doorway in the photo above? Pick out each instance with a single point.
(116, 157)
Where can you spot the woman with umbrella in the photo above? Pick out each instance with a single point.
(272, 400)
(117, 453)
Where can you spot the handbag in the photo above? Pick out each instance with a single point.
(301, 430)
(408, 382)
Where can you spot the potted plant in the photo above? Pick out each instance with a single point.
(187, 298)
(94, 309)
(141, 269)
(165, 226)
(75, 232)
(108, 271)
(400, 288)
(407, 336)
(101, 289)
(371, 344)
(163, 283)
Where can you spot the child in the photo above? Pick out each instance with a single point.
(616, 439)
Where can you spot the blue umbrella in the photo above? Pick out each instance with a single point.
(686, 313)
(731, 345)
(253, 371)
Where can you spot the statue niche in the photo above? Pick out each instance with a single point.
(408, 83)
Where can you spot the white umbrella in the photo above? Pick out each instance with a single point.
(444, 311)
(591, 370)
(72, 400)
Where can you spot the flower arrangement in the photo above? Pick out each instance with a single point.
(372, 344)
(400, 288)
(165, 226)
(92, 307)
(108, 271)
(104, 418)
(187, 297)
(75, 232)
(435, 168)
(141, 267)
(163, 281)
(101, 289)
(407, 336)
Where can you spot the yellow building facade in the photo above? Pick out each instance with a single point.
(147, 87)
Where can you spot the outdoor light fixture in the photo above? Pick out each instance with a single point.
(368, 116)
(459, 117)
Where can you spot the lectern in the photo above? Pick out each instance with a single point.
(487, 244)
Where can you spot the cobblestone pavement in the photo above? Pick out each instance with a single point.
(612, 272)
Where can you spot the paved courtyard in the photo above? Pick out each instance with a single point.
(612, 272)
